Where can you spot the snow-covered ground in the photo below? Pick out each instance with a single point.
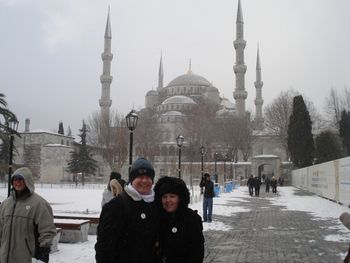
(71, 200)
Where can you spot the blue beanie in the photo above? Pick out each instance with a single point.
(141, 167)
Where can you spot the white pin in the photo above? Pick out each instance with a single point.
(28, 207)
(143, 215)
(174, 230)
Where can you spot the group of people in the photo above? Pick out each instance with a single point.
(139, 223)
(254, 184)
(150, 224)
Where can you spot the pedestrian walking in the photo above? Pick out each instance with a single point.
(114, 187)
(181, 229)
(274, 184)
(128, 228)
(26, 222)
(208, 197)
(250, 184)
(267, 184)
(257, 185)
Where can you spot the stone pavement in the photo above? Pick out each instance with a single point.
(267, 233)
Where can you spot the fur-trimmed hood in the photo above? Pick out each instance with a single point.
(172, 185)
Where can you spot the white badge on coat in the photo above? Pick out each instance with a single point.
(143, 215)
(174, 230)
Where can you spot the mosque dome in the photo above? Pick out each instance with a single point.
(212, 89)
(179, 99)
(172, 113)
(152, 93)
(189, 79)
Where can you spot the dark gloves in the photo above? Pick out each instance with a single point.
(43, 254)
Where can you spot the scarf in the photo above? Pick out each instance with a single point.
(148, 198)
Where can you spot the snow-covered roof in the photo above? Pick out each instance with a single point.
(265, 156)
(178, 99)
(56, 145)
(48, 132)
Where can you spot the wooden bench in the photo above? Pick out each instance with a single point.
(93, 218)
(72, 230)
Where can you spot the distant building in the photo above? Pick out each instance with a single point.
(47, 154)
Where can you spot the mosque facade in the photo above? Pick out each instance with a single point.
(171, 103)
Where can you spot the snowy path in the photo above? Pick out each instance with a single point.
(292, 226)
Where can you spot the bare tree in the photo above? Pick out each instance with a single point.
(110, 137)
(335, 103)
(278, 111)
(332, 105)
(147, 134)
(199, 129)
(277, 115)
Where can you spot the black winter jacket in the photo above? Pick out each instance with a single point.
(208, 188)
(181, 237)
(127, 232)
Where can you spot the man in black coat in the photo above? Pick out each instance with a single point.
(267, 183)
(257, 184)
(128, 228)
(208, 197)
(250, 184)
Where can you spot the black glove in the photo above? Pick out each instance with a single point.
(43, 254)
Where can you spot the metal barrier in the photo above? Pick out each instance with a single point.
(217, 190)
(228, 186)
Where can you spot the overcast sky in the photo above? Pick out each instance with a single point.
(50, 55)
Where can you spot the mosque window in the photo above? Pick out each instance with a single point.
(164, 151)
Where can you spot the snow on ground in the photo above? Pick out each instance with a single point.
(88, 200)
(320, 208)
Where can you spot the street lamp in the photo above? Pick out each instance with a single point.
(12, 125)
(202, 159)
(202, 167)
(131, 123)
(180, 140)
(215, 159)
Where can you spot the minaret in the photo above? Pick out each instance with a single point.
(106, 78)
(259, 121)
(160, 74)
(189, 72)
(240, 68)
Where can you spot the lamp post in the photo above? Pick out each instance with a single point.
(202, 160)
(12, 126)
(215, 160)
(202, 166)
(131, 123)
(180, 140)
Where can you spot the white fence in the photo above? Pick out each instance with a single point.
(330, 179)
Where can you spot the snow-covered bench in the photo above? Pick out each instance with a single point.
(72, 230)
(93, 218)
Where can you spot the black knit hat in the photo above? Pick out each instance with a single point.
(172, 185)
(141, 167)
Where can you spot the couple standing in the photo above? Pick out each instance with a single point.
(143, 225)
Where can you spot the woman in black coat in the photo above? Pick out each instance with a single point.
(181, 229)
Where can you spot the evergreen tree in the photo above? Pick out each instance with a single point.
(344, 131)
(300, 140)
(327, 147)
(60, 128)
(81, 160)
